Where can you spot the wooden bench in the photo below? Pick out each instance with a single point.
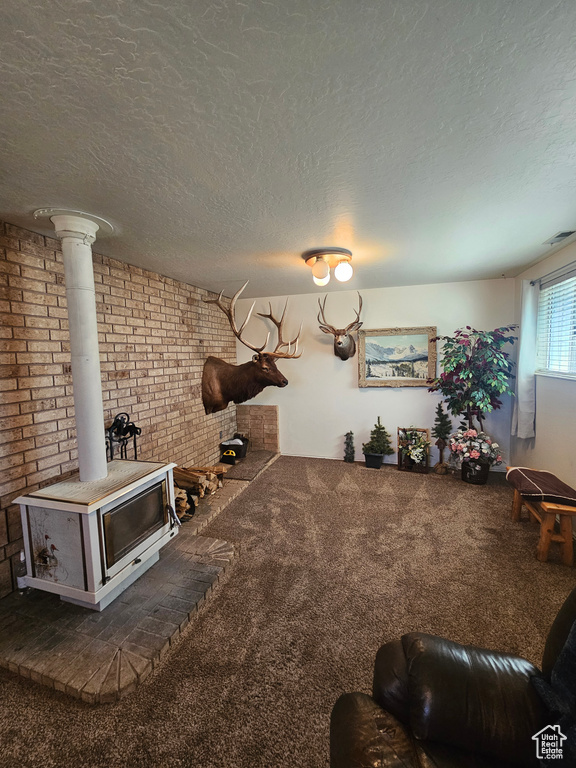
(545, 513)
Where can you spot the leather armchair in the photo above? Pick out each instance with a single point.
(439, 704)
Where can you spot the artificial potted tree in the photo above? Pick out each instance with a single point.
(441, 430)
(377, 447)
(349, 450)
(475, 372)
(475, 375)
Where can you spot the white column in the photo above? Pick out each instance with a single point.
(77, 234)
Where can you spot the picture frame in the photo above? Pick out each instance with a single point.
(397, 357)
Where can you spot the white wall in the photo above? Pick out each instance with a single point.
(555, 401)
(322, 400)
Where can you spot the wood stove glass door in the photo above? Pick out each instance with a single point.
(131, 522)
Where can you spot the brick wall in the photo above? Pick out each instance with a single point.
(260, 424)
(154, 336)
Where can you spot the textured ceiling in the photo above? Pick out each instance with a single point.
(222, 139)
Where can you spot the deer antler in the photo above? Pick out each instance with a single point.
(230, 315)
(281, 343)
(322, 321)
(356, 323)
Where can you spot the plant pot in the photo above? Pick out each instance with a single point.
(407, 464)
(475, 472)
(373, 460)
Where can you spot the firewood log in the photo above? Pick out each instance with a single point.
(218, 469)
(211, 482)
(181, 501)
(191, 481)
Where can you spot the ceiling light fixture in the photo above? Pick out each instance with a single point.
(322, 260)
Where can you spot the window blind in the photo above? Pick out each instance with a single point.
(556, 335)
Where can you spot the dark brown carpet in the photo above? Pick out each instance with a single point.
(333, 560)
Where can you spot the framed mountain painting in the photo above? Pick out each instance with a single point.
(396, 357)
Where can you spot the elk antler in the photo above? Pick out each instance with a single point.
(281, 343)
(230, 315)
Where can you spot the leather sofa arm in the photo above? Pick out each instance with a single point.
(472, 698)
(363, 735)
(390, 682)
(559, 634)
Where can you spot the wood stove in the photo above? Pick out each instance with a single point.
(88, 541)
(87, 538)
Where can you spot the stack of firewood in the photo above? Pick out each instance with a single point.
(181, 501)
(197, 482)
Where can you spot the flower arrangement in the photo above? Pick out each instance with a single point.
(469, 444)
(413, 443)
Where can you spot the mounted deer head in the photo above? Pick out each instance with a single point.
(344, 344)
(223, 382)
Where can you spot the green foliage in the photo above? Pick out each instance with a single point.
(379, 441)
(442, 428)
(349, 450)
(476, 371)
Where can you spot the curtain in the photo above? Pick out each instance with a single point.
(525, 401)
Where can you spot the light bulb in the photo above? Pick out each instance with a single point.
(322, 280)
(343, 271)
(320, 270)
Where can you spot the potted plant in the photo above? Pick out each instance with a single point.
(349, 450)
(377, 447)
(476, 453)
(441, 431)
(475, 372)
(413, 445)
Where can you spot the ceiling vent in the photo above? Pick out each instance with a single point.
(558, 237)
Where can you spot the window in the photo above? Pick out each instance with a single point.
(556, 335)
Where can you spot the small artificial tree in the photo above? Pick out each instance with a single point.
(441, 430)
(379, 442)
(476, 372)
(349, 450)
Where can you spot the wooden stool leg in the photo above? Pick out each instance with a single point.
(566, 546)
(546, 531)
(516, 506)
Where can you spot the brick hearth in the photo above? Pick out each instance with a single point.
(101, 657)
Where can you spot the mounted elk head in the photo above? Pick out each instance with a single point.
(344, 344)
(223, 382)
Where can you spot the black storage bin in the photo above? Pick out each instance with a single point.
(231, 451)
(244, 447)
(229, 456)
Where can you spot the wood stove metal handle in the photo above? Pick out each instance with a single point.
(174, 519)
